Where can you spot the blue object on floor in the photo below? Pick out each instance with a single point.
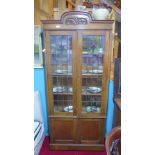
(110, 108)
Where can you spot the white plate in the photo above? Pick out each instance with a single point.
(70, 89)
(94, 89)
(84, 52)
(58, 89)
(84, 71)
(95, 71)
(60, 71)
(68, 109)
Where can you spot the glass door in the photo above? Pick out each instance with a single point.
(92, 52)
(62, 70)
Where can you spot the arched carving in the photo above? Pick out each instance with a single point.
(76, 21)
(76, 18)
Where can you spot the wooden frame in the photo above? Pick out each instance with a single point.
(76, 24)
(49, 69)
(117, 79)
(106, 70)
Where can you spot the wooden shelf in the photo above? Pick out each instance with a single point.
(62, 93)
(83, 75)
(92, 54)
(92, 94)
(62, 75)
(92, 76)
(83, 93)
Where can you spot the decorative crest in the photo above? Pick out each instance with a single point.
(76, 18)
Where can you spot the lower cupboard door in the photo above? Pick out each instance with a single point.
(62, 131)
(91, 131)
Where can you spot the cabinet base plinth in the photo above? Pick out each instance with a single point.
(76, 147)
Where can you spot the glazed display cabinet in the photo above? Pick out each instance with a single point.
(77, 61)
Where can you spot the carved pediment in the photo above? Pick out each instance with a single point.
(76, 21)
(76, 18)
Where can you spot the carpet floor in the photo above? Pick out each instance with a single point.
(45, 151)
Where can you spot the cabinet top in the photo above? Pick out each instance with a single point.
(77, 20)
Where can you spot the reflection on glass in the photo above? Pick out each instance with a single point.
(61, 52)
(92, 72)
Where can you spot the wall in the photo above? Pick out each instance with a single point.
(40, 84)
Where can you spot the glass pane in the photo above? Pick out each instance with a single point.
(92, 72)
(61, 59)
